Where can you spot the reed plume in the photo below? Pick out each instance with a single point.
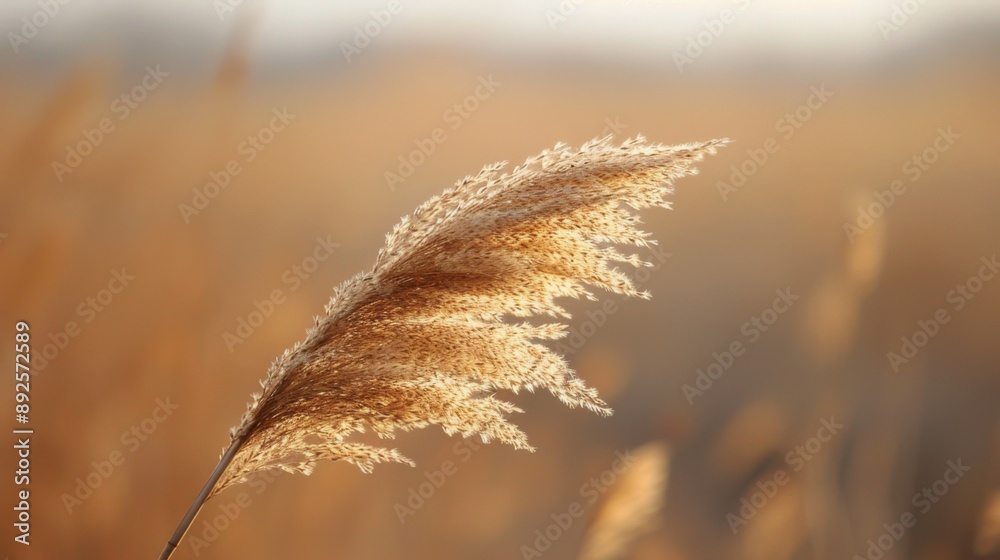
(631, 508)
(424, 338)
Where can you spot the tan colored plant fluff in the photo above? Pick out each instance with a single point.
(422, 339)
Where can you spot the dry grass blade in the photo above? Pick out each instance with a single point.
(422, 339)
(632, 507)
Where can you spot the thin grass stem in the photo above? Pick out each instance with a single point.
(168, 550)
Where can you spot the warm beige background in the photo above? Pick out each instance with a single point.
(324, 176)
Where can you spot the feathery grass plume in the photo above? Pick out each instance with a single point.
(632, 507)
(422, 339)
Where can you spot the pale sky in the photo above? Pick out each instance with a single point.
(637, 28)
